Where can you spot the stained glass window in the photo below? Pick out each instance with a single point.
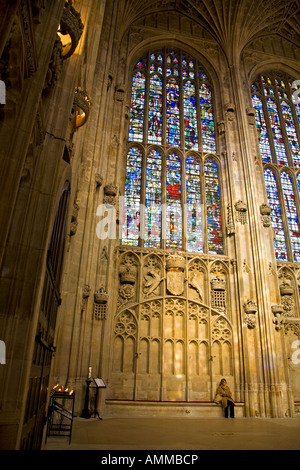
(194, 207)
(153, 200)
(264, 143)
(190, 116)
(136, 130)
(174, 208)
(173, 123)
(278, 121)
(155, 110)
(291, 212)
(213, 203)
(273, 201)
(172, 117)
(131, 216)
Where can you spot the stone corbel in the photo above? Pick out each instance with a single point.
(251, 116)
(110, 194)
(265, 212)
(230, 112)
(278, 312)
(120, 93)
(250, 309)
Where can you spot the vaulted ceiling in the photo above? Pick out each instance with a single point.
(232, 23)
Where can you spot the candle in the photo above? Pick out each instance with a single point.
(90, 372)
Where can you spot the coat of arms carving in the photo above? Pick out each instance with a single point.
(175, 266)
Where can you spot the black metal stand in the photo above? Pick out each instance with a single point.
(96, 412)
(86, 412)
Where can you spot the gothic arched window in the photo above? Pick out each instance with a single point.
(277, 119)
(172, 191)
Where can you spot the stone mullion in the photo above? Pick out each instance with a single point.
(283, 128)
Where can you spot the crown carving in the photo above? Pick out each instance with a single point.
(241, 206)
(217, 283)
(128, 274)
(286, 288)
(175, 261)
(111, 189)
(250, 307)
(101, 296)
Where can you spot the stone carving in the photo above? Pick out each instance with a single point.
(230, 228)
(175, 266)
(251, 116)
(110, 193)
(101, 296)
(278, 313)
(55, 65)
(85, 296)
(152, 276)
(241, 212)
(250, 309)
(230, 112)
(74, 219)
(265, 211)
(221, 127)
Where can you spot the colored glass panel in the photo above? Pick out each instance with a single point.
(155, 110)
(173, 124)
(213, 207)
(291, 133)
(276, 131)
(207, 120)
(190, 116)
(131, 213)
(136, 128)
(193, 205)
(276, 215)
(174, 208)
(153, 200)
(264, 143)
(291, 213)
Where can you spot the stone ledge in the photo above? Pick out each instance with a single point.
(168, 409)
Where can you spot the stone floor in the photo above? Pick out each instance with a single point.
(180, 434)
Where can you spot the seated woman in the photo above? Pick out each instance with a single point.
(224, 396)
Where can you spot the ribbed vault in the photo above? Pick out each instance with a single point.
(233, 24)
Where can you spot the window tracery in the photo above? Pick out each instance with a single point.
(172, 190)
(277, 120)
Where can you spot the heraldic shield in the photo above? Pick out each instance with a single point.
(175, 266)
